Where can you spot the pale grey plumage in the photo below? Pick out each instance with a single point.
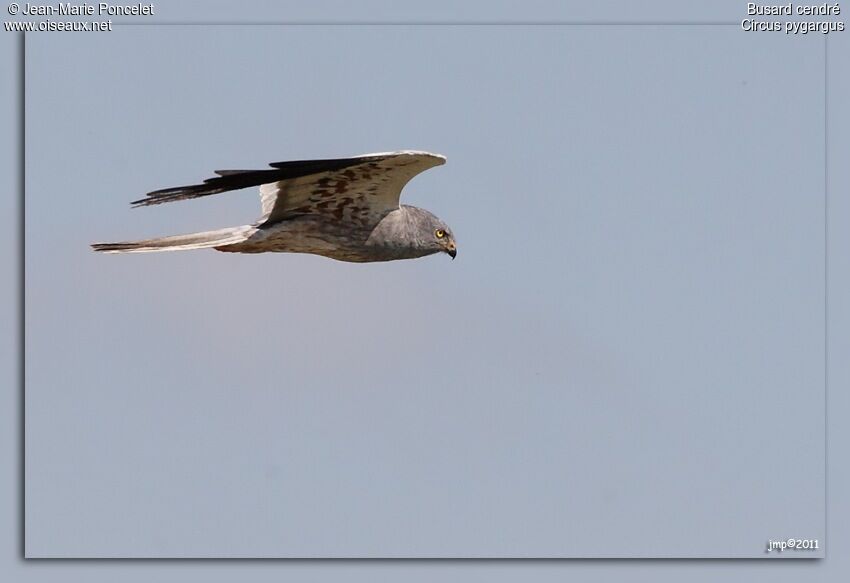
(346, 209)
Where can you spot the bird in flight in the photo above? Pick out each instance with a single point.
(346, 209)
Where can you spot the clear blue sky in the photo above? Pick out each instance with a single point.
(635, 318)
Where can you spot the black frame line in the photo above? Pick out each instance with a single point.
(21, 269)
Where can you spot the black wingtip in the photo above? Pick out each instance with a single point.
(177, 193)
(229, 173)
(107, 247)
(237, 179)
(152, 201)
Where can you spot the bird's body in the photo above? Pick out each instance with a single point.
(322, 236)
(346, 209)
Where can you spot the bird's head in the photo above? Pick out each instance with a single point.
(410, 232)
(446, 240)
(434, 234)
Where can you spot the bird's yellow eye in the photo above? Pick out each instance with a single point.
(440, 233)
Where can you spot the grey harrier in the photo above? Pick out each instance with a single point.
(346, 209)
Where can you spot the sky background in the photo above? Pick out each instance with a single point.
(625, 360)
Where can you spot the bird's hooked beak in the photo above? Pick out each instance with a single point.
(451, 249)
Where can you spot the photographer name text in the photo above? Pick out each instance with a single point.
(86, 9)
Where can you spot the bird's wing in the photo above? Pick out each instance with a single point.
(357, 187)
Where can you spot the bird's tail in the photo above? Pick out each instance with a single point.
(202, 240)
